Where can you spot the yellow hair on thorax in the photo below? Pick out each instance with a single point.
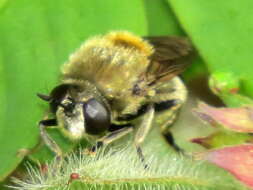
(129, 40)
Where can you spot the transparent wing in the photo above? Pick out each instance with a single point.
(171, 57)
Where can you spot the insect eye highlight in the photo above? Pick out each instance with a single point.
(97, 117)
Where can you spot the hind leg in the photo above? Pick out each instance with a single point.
(170, 99)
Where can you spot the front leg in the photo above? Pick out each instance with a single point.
(43, 125)
(143, 130)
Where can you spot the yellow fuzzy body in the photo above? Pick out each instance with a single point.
(114, 63)
(116, 83)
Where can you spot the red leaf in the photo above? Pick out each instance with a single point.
(203, 141)
(238, 160)
(235, 119)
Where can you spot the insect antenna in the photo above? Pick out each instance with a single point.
(44, 97)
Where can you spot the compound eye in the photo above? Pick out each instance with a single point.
(97, 117)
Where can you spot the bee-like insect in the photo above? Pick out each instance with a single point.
(116, 83)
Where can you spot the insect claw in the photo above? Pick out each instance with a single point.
(146, 167)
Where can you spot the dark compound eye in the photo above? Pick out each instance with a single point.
(97, 117)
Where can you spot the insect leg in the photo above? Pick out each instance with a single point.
(109, 138)
(174, 92)
(43, 125)
(170, 139)
(143, 130)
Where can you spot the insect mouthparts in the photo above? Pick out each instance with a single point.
(69, 107)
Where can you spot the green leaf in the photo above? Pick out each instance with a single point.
(36, 37)
(221, 31)
(222, 138)
(160, 10)
(120, 172)
(227, 86)
(2, 3)
(122, 169)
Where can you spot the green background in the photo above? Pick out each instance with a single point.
(36, 38)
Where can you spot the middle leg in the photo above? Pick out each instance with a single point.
(142, 132)
(109, 138)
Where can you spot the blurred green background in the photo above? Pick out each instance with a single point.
(37, 36)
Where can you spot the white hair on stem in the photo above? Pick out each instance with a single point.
(121, 169)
